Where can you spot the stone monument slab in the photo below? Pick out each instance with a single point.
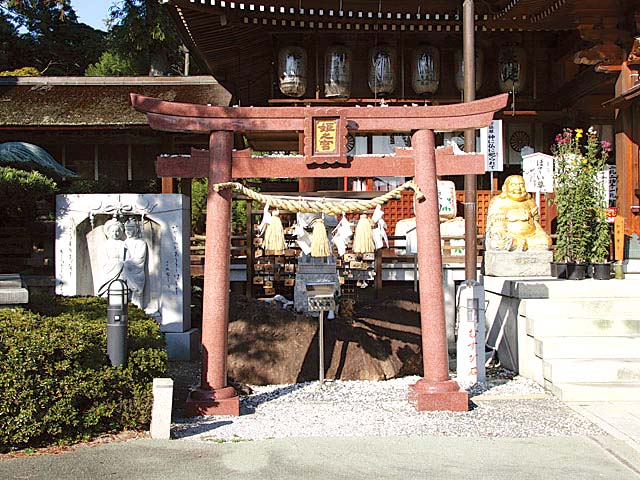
(141, 238)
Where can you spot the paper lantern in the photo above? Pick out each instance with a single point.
(459, 59)
(337, 72)
(292, 71)
(382, 70)
(512, 68)
(425, 68)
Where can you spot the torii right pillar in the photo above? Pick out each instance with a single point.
(435, 391)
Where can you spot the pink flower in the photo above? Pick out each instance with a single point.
(606, 146)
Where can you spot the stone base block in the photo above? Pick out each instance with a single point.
(13, 296)
(223, 401)
(183, 345)
(425, 396)
(161, 411)
(518, 264)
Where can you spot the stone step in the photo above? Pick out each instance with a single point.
(567, 327)
(13, 296)
(10, 280)
(595, 392)
(543, 288)
(617, 370)
(622, 346)
(588, 308)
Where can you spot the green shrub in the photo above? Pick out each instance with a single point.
(110, 65)
(19, 192)
(111, 185)
(56, 381)
(21, 72)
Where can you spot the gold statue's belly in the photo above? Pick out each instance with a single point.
(520, 228)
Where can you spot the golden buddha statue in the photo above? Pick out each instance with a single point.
(513, 221)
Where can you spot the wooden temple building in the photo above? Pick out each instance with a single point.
(294, 66)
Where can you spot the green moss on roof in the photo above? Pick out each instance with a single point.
(93, 105)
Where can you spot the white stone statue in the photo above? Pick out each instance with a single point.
(113, 254)
(135, 261)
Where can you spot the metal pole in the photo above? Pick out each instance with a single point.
(321, 343)
(470, 181)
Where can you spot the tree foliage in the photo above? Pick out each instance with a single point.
(141, 32)
(46, 35)
(111, 65)
(53, 42)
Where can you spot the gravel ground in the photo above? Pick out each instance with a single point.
(503, 407)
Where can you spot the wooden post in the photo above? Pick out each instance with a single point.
(214, 397)
(435, 391)
(250, 259)
(470, 180)
(378, 270)
(618, 237)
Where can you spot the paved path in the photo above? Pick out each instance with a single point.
(367, 458)
(620, 419)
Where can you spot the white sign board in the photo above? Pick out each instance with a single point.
(537, 170)
(491, 146)
(609, 178)
(447, 199)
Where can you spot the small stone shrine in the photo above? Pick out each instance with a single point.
(516, 245)
(140, 238)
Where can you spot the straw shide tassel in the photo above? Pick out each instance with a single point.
(319, 240)
(363, 238)
(274, 242)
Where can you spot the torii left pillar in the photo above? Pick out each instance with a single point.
(215, 397)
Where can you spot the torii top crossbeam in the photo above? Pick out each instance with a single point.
(324, 130)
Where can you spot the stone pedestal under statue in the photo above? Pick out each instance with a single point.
(518, 264)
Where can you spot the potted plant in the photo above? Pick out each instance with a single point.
(580, 200)
(601, 241)
(601, 233)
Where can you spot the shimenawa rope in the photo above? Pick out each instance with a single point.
(321, 205)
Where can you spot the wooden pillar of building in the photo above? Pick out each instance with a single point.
(435, 391)
(215, 397)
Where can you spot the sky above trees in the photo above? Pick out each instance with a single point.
(92, 12)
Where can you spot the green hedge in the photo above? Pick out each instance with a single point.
(56, 383)
(19, 192)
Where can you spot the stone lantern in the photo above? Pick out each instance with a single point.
(292, 71)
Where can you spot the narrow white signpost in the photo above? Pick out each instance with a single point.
(537, 170)
(491, 146)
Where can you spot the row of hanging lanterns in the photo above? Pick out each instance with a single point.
(425, 70)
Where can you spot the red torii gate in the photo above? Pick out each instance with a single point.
(323, 130)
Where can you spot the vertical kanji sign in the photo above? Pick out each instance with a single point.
(491, 146)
